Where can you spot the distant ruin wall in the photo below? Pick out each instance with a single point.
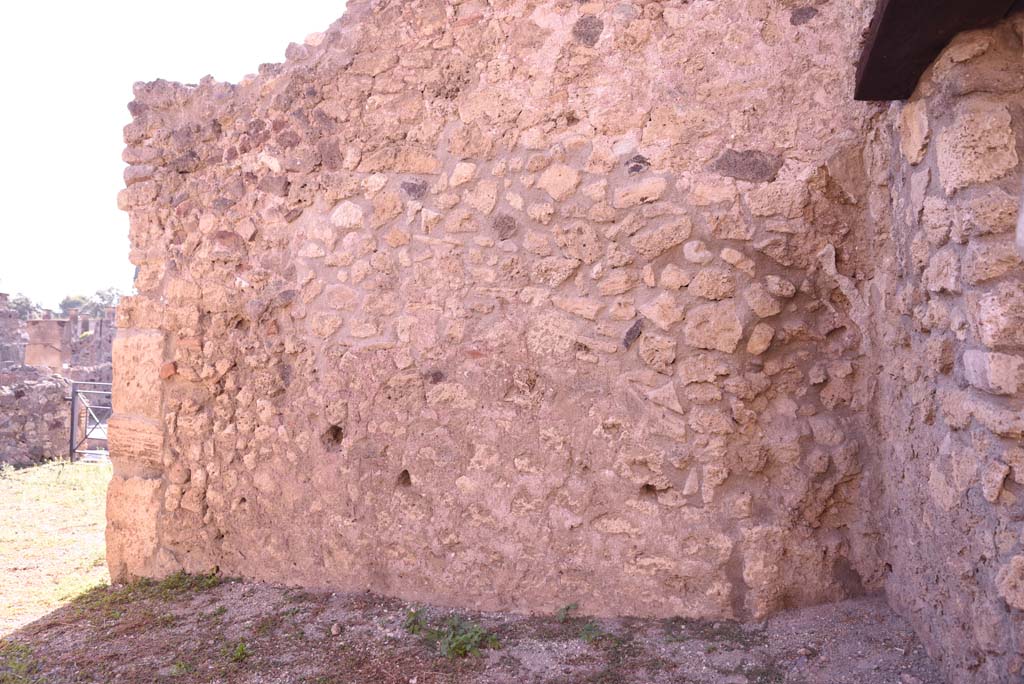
(34, 417)
(521, 305)
(47, 343)
(12, 334)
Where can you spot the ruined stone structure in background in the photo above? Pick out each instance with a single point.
(75, 342)
(90, 346)
(521, 304)
(38, 358)
(34, 418)
(12, 334)
(48, 343)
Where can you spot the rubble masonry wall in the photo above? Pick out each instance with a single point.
(517, 304)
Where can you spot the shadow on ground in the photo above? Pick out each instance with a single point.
(205, 629)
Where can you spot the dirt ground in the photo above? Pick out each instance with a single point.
(202, 629)
(211, 630)
(51, 537)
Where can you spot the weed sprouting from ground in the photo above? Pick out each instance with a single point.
(591, 632)
(237, 653)
(563, 613)
(217, 613)
(460, 638)
(17, 664)
(180, 668)
(416, 622)
(456, 637)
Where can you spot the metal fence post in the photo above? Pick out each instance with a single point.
(72, 445)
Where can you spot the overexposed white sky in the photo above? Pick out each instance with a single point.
(67, 69)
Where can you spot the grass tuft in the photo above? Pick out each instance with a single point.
(17, 664)
(180, 668)
(565, 611)
(237, 653)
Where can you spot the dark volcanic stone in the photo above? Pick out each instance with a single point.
(275, 185)
(288, 139)
(186, 163)
(637, 164)
(748, 165)
(414, 188)
(587, 30)
(802, 15)
(505, 226)
(222, 204)
(330, 154)
(633, 333)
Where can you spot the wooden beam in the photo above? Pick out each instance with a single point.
(906, 36)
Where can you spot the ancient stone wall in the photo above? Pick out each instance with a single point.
(34, 411)
(34, 418)
(12, 334)
(47, 345)
(90, 346)
(949, 300)
(517, 304)
(91, 339)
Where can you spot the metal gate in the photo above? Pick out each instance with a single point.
(90, 411)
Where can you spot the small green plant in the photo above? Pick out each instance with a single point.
(590, 632)
(456, 638)
(564, 612)
(415, 623)
(238, 653)
(459, 638)
(180, 668)
(17, 664)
